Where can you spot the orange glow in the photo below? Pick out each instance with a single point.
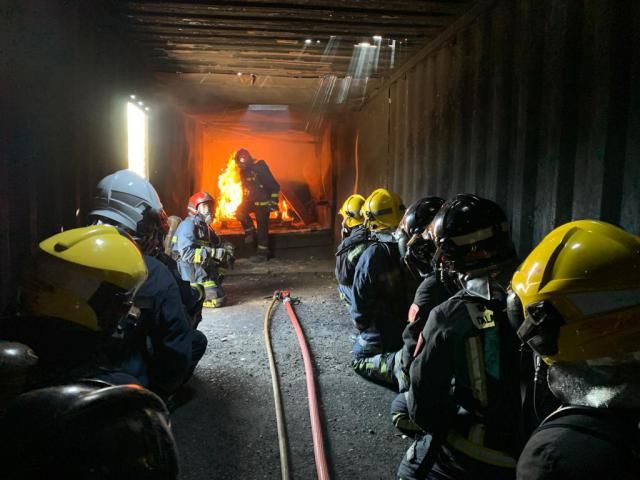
(230, 187)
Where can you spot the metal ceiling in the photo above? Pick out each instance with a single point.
(296, 52)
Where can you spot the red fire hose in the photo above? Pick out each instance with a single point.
(316, 426)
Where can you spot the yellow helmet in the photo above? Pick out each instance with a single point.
(350, 211)
(382, 210)
(87, 276)
(578, 294)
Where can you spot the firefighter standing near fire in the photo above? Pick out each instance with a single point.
(199, 251)
(261, 194)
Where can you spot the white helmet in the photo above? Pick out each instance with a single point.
(127, 200)
(123, 197)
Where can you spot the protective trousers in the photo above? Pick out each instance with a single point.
(262, 220)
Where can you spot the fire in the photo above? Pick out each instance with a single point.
(230, 187)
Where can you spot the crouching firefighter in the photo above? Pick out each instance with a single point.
(576, 304)
(464, 385)
(355, 240)
(200, 252)
(161, 346)
(382, 292)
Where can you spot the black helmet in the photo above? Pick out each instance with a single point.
(470, 233)
(87, 430)
(243, 158)
(416, 250)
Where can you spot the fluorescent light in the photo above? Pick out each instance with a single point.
(259, 107)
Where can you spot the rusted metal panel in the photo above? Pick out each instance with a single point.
(531, 105)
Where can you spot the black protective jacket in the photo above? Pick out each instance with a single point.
(260, 187)
(465, 378)
(577, 443)
(348, 253)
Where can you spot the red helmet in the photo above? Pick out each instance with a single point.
(243, 158)
(198, 198)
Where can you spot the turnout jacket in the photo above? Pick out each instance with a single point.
(193, 238)
(575, 443)
(348, 253)
(464, 381)
(260, 187)
(382, 292)
(164, 326)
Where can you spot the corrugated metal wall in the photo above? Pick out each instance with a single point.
(532, 103)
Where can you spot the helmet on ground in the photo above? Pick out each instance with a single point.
(127, 200)
(470, 234)
(350, 212)
(202, 203)
(576, 297)
(382, 210)
(87, 276)
(243, 158)
(88, 430)
(414, 248)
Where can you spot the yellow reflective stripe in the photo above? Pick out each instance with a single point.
(475, 365)
(174, 239)
(209, 283)
(275, 194)
(262, 204)
(480, 452)
(197, 256)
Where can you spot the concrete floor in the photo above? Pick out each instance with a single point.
(227, 429)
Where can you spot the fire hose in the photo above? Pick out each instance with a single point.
(316, 425)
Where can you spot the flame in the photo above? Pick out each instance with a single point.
(230, 187)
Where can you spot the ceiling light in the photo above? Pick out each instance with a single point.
(308, 41)
(377, 38)
(132, 97)
(239, 74)
(260, 107)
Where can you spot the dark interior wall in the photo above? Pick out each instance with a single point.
(529, 102)
(66, 75)
(175, 157)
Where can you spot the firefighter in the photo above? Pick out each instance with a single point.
(81, 284)
(381, 293)
(576, 303)
(199, 251)
(261, 194)
(355, 239)
(464, 388)
(161, 344)
(87, 430)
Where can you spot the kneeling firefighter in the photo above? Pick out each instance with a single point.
(199, 251)
(381, 293)
(464, 385)
(80, 286)
(161, 344)
(355, 239)
(576, 304)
